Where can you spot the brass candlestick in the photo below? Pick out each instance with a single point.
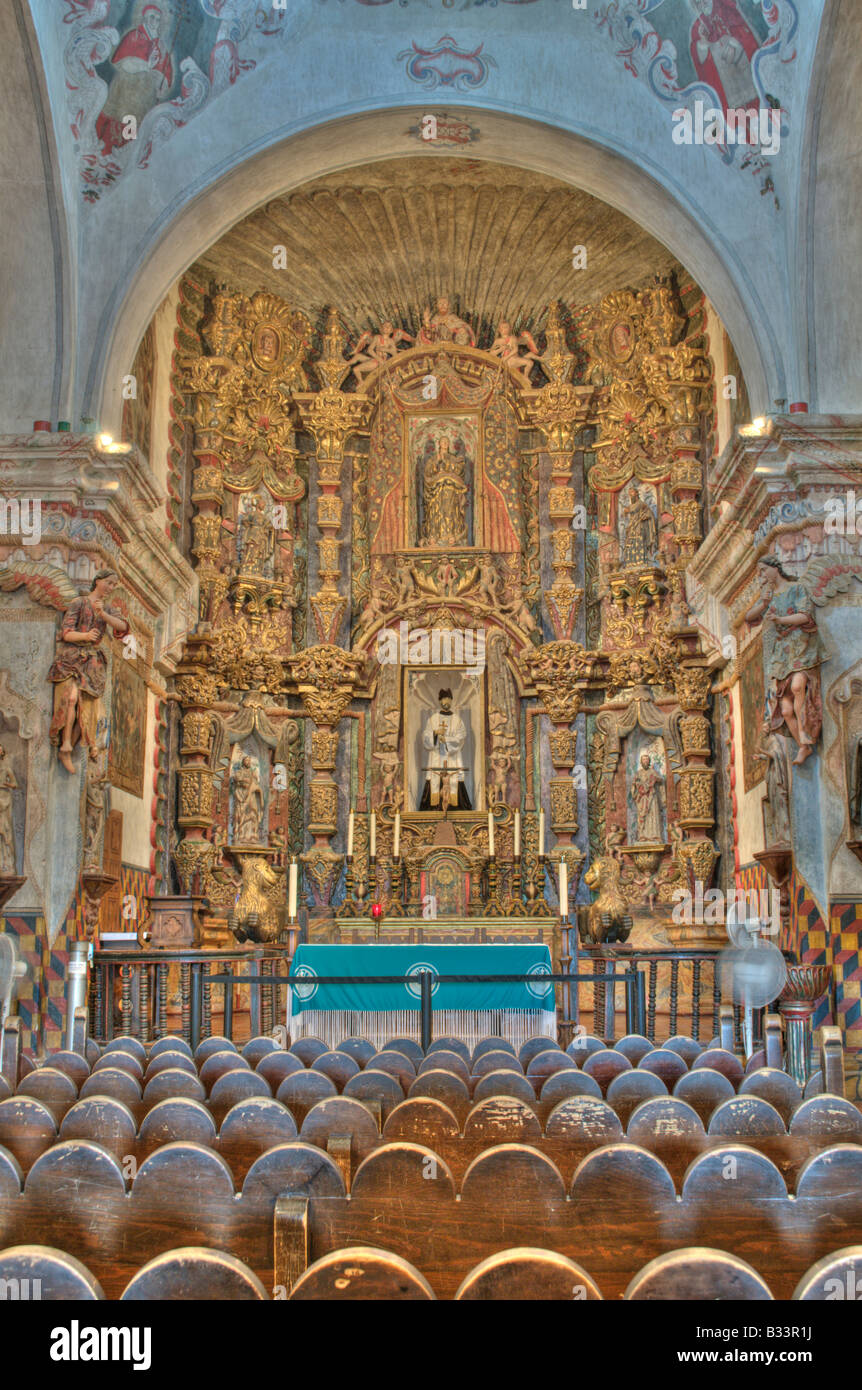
(493, 907)
(348, 907)
(515, 900)
(537, 906)
(396, 904)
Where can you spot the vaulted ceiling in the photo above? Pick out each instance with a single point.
(387, 238)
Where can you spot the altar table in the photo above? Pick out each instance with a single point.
(379, 1012)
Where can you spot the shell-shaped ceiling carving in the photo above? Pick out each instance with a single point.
(385, 240)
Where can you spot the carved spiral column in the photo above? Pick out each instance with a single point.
(696, 778)
(196, 689)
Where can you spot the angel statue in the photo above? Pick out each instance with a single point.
(792, 651)
(80, 668)
(374, 349)
(507, 346)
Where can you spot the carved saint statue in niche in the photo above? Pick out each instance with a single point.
(8, 784)
(80, 666)
(445, 494)
(256, 538)
(95, 808)
(247, 800)
(791, 655)
(443, 739)
(776, 805)
(648, 794)
(640, 533)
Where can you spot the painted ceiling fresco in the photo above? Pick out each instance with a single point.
(160, 64)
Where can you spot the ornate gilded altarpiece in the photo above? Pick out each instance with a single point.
(359, 535)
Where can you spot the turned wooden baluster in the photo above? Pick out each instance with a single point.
(674, 994)
(716, 997)
(651, 999)
(144, 1002)
(185, 996)
(126, 997)
(695, 1000)
(162, 986)
(207, 1002)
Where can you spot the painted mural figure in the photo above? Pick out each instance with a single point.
(144, 75)
(791, 655)
(247, 800)
(8, 784)
(80, 668)
(640, 532)
(722, 47)
(647, 793)
(445, 497)
(443, 738)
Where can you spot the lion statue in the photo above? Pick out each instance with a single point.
(608, 919)
(255, 916)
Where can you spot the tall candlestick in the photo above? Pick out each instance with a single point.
(372, 847)
(350, 836)
(541, 833)
(564, 889)
(491, 833)
(517, 833)
(397, 845)
(291, 888)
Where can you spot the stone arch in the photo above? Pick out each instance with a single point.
(156, 260)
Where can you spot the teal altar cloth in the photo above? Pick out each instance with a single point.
(530, 959)
(334, 1012)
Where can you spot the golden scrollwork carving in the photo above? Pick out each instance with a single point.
(325, 677)
(194, 859)
(197, 732)
(323, 807)
(564, 804)
(195, 796)
(692, 686)
(695, 795)
(324, 748)
(563, 745)
(558, 671)
(694, 733)
(196, 688)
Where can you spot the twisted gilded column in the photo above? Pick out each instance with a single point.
(559, 671)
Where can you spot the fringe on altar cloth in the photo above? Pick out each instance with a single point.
(332, 1026)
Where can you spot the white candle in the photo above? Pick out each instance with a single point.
(541, 833)
(350, 836)
(491, 833)
(517, 833)
(291, 888)
(564, 889)
(397, 845)
(373, 836)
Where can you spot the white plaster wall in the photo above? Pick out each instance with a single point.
(33, 315)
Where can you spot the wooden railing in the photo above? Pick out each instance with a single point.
(133, 992)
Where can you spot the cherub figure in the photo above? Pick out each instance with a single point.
(507, 346)
(374, 349)
(489, 585)
(389, 764)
